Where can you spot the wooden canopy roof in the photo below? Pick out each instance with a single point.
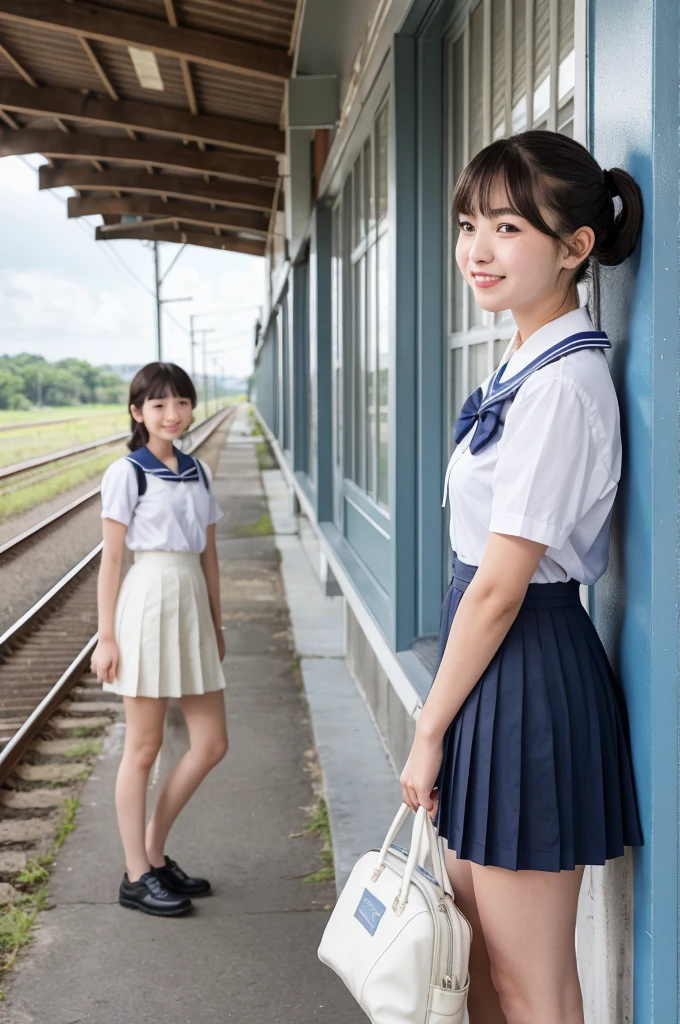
(165, 116)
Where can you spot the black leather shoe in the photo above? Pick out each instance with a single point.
(151, 897)
(177, 881)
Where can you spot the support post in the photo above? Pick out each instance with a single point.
(159, 339)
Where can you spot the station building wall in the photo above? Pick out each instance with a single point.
(382, 343)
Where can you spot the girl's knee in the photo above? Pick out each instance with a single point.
(523, 1003)
(143, 754)
(212, 751)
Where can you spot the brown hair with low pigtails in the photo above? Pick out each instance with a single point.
(156, 380)
(546, 171)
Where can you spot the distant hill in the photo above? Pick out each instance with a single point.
(229, 385)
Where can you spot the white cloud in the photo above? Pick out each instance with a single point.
(63, 294)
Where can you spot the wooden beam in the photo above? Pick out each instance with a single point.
(97, 65)
(219, 163)
(147, 117)
(230, 243)
(182, 210)
(123, 28)
(176, 186)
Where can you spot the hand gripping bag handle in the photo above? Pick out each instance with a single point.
(422, 828)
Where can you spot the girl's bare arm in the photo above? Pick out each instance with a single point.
(211, 571)
(486, 611)
(105, 657)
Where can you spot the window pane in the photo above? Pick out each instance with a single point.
(347, 333)
(567, 70)
(458, 391)
(499, 347)
(566, 28)
(369, 198)
(371, 370)
(357, 218)
(477, 366)
(565, 119)
(360, 369)
(383, 365)
(476, 91)
(541, 58)
(381, 131)
(458, 99)
(498, 69)
(519, 99)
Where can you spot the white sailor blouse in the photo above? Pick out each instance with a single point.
(539, 453)
(174, 511)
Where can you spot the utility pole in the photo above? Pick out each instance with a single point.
(161, 302)
(159, 338)
(204, 331)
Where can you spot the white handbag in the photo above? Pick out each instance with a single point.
(396, 937)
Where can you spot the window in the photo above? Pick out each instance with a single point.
(511, 64)
(361, 312)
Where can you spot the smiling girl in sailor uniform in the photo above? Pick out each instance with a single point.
(160, 632)
(522, 749)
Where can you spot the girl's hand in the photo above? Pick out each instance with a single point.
(104, 663)
(420, 774)
(221, 647)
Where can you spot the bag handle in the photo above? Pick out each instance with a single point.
(422, 827)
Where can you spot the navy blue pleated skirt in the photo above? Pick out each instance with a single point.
(536, 771)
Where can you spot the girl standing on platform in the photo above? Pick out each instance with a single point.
(522, 749)
(160, 636)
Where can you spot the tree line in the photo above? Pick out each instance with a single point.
(28, 380)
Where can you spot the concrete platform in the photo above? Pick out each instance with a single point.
(248, 953)
(360, 781)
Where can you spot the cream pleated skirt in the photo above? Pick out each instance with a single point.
(164, 630)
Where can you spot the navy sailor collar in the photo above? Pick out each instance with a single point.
(483, 410)
(187, 468)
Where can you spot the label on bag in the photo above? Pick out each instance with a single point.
(369, 912)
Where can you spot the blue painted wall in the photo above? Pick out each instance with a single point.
(634, 46)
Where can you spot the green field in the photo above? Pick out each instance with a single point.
(9, 417)
(29, 440)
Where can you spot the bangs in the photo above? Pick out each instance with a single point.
(502, 168)
(161, 380)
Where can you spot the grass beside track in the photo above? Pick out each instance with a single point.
(30, 441)
(21, 493)
(11, 417)
(18, 917)
(17, 497)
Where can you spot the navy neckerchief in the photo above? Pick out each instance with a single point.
(485, 411)
(187, 467)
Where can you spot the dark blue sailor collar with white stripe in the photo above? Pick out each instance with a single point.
(485, 410)
(187, 466)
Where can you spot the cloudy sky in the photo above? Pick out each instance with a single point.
(63, 294)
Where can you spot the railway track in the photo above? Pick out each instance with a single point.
(45, 653)
(29, 537)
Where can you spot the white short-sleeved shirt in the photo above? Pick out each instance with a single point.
(174, 512)
(553, 473)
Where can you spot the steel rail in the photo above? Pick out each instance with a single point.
(65, 453)
(19, 742)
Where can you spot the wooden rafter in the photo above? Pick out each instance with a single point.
(199, 214)
(126, 29)
(29, 79)
(177, 186)
(229, 243)
(148, 117)
(157, 153)
(98, 67)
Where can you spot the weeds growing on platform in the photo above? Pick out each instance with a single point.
(265, 456)
(262, 528)
(319, 825)
(18, 917)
